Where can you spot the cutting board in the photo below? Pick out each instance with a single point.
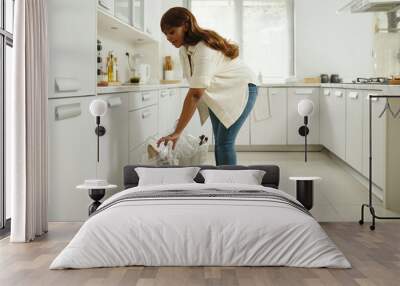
(394, 81)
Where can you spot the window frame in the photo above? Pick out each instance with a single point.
(6, 39)
(239, 27)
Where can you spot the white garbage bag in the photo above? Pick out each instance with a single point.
(189, 150)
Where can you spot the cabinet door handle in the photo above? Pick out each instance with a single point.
(339, 93)
(67, 111)
(146, 114)
(274, 92)
(327, 92)
(113, 102)
(104, 5)
(304, 91)
(164, 93)
(353, 95)
(372, 98)
(145, 96)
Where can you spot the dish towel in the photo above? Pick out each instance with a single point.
(262, 110)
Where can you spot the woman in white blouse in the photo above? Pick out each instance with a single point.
(220, 84)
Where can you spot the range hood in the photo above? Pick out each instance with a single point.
(360, 6)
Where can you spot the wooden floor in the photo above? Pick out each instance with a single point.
(375, 257)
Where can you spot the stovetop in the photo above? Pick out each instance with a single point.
(372, 80)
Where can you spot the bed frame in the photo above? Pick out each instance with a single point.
(270, 179)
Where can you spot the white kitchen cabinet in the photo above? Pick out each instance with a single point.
(72, 47)
(138, 14)
(326, 118)
(124, 11)
(273, 130)
(107, 6)
(295, 121)
(152, 15)
(175, 106)
(354, 128)
(169, 109)
(72, 157)
(243, 137)
(138, 155)
(164, 124)
(143, 124)
(114, 143)
(194, 127)
(338, 130)
(140, 99)
(378, 139)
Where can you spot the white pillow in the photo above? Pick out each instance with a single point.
(248, 177)
(164, 176)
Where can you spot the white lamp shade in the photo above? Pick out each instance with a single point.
(305, 107)
(98, 107)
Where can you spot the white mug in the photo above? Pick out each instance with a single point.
(169, 75)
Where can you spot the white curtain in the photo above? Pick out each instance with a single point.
(27, 122)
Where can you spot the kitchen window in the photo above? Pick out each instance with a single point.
(6, 60)
(263, 29)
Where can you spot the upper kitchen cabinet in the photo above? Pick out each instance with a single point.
(138, 14)
(72, 47)
(130, 12)
(107, 6)
(123, 10)
(152, 16)
(127, 20)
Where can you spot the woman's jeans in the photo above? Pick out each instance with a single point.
(225, 153)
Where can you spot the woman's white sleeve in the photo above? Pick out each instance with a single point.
(203, 67)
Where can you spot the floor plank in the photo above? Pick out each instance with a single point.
(375, 257)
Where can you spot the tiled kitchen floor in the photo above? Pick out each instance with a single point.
(337, 197)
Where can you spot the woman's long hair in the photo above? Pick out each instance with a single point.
(179, 16)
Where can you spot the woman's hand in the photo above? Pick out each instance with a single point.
(173, 137)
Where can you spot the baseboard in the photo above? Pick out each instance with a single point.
(274, 148)
(5, 231)
(377, 191)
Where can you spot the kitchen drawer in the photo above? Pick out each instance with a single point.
(142, 125)
(142, 99)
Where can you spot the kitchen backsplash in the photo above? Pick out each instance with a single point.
(119, 49)
(386, 47)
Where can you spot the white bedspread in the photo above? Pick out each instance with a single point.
(200, 231)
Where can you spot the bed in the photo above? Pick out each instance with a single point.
(198, 224)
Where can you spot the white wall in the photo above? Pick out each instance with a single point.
(166, 48)
(327, 42)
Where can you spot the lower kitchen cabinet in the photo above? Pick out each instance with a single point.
(72, 157)
(338, 130)
(194, 127)
(378, 139)
(354, 128)
(169, 110)
(143, 124)
(138, 155)
(114, 143)
(73, 152)
(272, 130)
(295, 121)
(326, 115)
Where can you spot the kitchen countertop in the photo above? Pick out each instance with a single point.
(142, 87)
